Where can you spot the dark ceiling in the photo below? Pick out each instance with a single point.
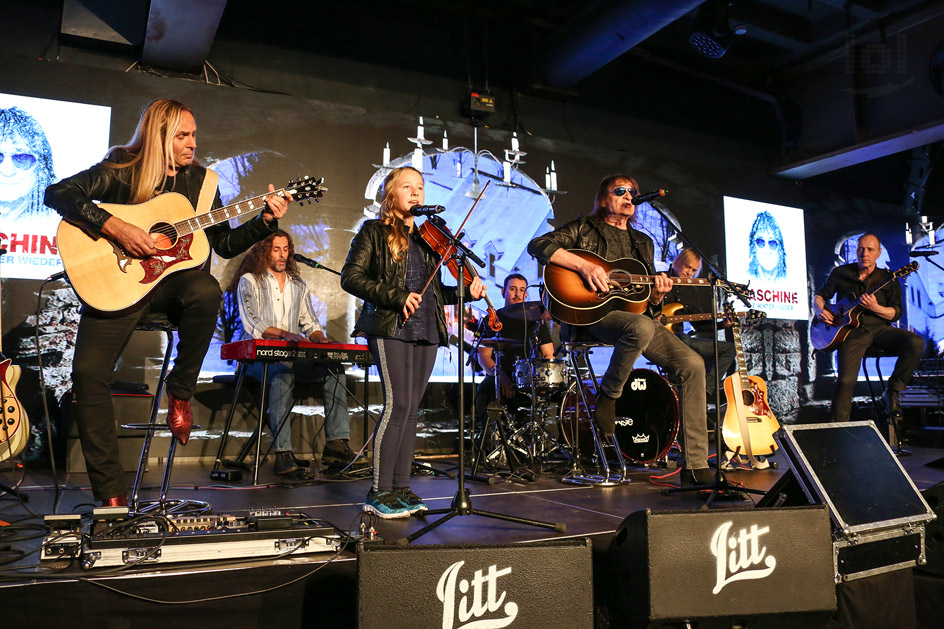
(632, 57)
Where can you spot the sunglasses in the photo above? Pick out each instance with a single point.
(760, 242)
(618, 192)
(23, 161)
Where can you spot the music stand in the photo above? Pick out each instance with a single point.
(462, 501)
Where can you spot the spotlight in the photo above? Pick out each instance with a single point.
(712, 35)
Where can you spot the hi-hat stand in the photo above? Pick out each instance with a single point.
(462, 501)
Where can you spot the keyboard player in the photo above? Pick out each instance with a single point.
(274, 303)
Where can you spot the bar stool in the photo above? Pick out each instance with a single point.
(894, 427)
(587, 389)
(157, 322)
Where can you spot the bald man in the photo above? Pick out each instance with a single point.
(875, 329)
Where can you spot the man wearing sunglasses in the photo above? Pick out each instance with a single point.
(875, 328)
(608, 232)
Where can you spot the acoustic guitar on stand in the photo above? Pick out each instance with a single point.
(14, 431)
(106, 278)
(749, 425)
(568, 298)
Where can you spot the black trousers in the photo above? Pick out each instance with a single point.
(191, 300)
(907, 346)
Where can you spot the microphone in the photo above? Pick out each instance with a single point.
(922, 254)
(56, 276)
(307, 261)
(643, 198)
(426, 210)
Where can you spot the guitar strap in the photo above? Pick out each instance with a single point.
(207, 192)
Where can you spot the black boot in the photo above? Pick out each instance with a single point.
(284, 464)
(604, 415)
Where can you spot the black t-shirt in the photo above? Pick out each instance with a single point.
(517, 330)
(844, 282)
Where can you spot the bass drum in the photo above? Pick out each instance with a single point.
(647, 417)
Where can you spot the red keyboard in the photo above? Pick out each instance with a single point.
(274, 350)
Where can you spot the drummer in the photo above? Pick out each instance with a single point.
(522, 323)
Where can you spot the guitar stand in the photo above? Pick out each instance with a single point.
(763, 462)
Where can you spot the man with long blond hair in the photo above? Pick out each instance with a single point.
(159, 158)
(274, 303)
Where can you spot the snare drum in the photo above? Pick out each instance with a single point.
(546, 375)
(647, 417)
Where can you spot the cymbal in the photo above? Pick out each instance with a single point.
(529, 310)
(497, 342)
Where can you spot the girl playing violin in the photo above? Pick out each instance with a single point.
(387, 267)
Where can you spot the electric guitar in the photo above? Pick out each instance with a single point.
(106, 278)
(846, 313)
(568, 299)
(749, 425)
(14, 430)
(668, 318)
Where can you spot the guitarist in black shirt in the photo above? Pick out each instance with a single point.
(879, 309)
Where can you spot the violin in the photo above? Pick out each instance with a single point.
(436, 234)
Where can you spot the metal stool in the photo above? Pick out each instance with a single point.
(578, 352)
(894, 428)
(163, 505)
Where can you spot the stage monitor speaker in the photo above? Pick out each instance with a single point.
(762, 565)
(878, 515)
(541, 584)
(934, 531)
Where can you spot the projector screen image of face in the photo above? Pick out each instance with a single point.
(41, 141)
(766, 245)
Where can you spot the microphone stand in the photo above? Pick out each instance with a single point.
(462, 501)
(720, 483)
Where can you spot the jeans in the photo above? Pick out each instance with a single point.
(632, 335)
(281, 398)
(895, 341)
(191, 300)
(706, 349)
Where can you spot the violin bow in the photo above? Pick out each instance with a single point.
(458, 231)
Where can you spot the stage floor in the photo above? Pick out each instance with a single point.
(586, 511)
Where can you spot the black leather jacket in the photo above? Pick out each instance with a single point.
(371, 273)
(73, 199)
(583, 233)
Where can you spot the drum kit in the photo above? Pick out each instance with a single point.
(558, 428)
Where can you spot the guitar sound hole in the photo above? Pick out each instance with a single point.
(164, 234)
(748, 398)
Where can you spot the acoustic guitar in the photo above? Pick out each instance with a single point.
(14, 430)
(106, 278)
(569, 300)
(846, 313)
(749, 425)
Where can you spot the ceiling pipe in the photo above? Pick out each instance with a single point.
(604, 31)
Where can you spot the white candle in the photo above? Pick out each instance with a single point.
(417, 161)
(908, 239)
(931, 234)
(386, 155)
(458, 169)
(506, 166)
(445, 140)
(547, 178)
(514, 142)
(553, 177)
(419, 130)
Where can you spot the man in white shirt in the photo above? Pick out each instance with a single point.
(274, 303)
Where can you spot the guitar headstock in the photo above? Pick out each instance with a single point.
(906, 270)
(735, 317)
(306, 188)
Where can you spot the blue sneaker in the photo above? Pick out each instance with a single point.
(410, 500)
(386, 504)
